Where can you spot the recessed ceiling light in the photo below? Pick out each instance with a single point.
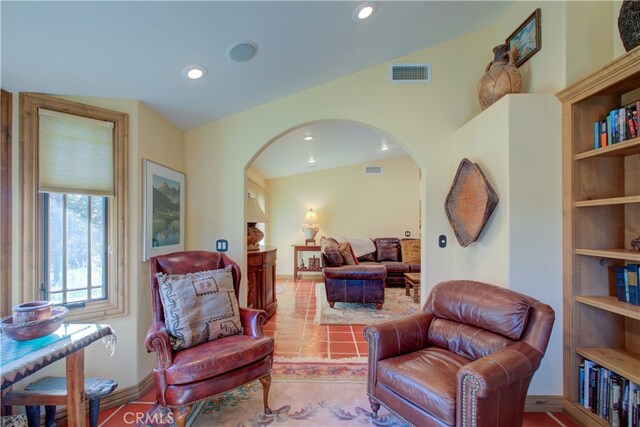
(308, 137)
(364, 11)
(193, 72)
(242, 51)
(311, 160)
(385, 147)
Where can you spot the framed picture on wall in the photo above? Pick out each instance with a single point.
(525, 41)
(163, 210)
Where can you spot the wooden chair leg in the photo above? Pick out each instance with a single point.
(375, 406)
(266, 384)
(180, 415)
(33, 415)
(50, 416)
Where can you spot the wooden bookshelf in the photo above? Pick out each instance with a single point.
(611, 304)
(620, 361)
(601, 214)
(610, 253)
(606, 202)
(621, 149)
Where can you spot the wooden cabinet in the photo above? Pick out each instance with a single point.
(601, 210)
(261, 278)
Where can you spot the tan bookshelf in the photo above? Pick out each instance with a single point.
(601, 214)
(611, 304)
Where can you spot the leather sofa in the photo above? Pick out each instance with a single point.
(388, 254)
(465, 360)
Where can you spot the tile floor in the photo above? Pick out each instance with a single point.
(297, 335)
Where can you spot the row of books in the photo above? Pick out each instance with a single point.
(609, 395)
(619, 125)
(627, 280)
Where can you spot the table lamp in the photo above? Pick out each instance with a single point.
(253, 214)
(310, 227)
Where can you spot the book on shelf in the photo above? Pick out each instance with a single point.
(622, 283)
(620, 124)
(632, 283)
(609, 395)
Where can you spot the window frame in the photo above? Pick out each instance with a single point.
(31, 228)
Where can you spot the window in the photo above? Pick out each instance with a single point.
(74, 248)
(74, 206)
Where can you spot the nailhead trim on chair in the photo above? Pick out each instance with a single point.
(474, 401)
(161, 351)
(368, 335)
(221, 393)
(214, 395)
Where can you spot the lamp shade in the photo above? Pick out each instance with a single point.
(310, 218)
(252, 211)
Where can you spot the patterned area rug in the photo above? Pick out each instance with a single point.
(303, 393)
(396, 303)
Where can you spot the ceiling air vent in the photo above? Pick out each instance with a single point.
(410, 73)
(373, 170)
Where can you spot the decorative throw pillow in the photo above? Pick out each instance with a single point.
(347, 253)
(410, 249)
(331, 251)
(387, 249)
(199, 307)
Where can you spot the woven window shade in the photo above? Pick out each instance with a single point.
(75, 154)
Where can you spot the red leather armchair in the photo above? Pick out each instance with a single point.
(465, 360)
(187, 376)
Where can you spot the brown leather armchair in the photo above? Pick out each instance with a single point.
(187, 376)
(466, 359)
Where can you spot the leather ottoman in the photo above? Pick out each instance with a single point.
(356, 283)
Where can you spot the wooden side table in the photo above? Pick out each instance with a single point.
(297, 249)
(412, 280)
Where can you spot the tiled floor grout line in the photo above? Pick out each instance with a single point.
(556, 419)
(113, 413)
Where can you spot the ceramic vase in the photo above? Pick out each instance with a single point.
(501, 77)
(629, 24)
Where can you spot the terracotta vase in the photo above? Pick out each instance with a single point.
(501, 77)
(629, 24)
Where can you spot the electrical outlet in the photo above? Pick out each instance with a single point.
(222, 245)
(407, 234)
(442, 241)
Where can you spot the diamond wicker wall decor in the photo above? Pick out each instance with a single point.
(470, 202)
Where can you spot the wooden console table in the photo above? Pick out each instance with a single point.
(297, 249)
(261, 278)
(22, 358)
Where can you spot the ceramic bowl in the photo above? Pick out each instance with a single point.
(31, 311)
(34, 329)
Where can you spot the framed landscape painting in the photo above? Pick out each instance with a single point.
(163, 210)
(526, 39)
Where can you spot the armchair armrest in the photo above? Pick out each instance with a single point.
(252, 321)
(397, 336)
(157, 340)
(499, 370)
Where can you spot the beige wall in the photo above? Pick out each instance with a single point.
(348, 203)
(150, 136)
(520, 246)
